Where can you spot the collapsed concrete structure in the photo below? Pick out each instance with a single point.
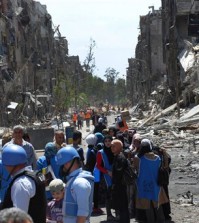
(33, 55)
(165, 67)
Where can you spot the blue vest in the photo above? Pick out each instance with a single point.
(69, 204)
(42, 163)
(106, 166)
(96, 174)
(5, 180)
(96, 171)
(147, 178)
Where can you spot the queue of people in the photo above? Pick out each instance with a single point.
(64, 187)
(144, 199)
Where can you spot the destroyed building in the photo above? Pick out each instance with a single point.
(33, 55)
(165, 67)
(147, 69)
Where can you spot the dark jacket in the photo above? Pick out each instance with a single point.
(119, 193)
(99, 128)
(90, 158)
(37, 205)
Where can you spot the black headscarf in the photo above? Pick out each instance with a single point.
(113, 129)
(145, 147)
(108, 151)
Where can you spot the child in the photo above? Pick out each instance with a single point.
(54, 207)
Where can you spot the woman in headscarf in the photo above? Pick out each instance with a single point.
(104, 164)
(112, 131)
(135, 144)
(166, 160)
(150, 195)
(134, 148)
(130, 134)
(90, 165)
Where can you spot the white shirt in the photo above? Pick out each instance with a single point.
(22, 190)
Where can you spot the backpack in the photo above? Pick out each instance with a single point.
(129, 176)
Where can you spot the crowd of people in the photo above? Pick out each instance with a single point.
(144, 199)
(78, 118)
(68, 184)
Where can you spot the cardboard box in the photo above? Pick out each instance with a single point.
(125, 114)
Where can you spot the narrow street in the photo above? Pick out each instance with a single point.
(143, 60)
(99, 218)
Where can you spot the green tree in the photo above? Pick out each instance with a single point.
(111, 75)
(89, 63)
(82, 100)
(98, 90)
(62, 94)
(120, 92)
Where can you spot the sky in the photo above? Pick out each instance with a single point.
(112, 24)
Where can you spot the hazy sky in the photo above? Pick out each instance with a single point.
(113, 24)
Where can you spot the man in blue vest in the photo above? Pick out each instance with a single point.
(26, 190)
(77, 204)
(47, 162)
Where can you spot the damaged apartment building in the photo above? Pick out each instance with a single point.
(165, 67)
(32, 56)
(147, 68)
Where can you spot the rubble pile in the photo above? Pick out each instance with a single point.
(180, 138)
(164, 126)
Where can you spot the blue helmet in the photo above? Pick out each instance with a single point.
(66, 154)
(100, 137)
(13, 155)
(50, 146)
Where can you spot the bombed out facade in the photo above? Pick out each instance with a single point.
(165, 66)
(33, 55)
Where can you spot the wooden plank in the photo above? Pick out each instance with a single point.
(192, 112)
(167, 110)
(188, 121)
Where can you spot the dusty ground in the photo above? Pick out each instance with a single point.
(184, 190)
